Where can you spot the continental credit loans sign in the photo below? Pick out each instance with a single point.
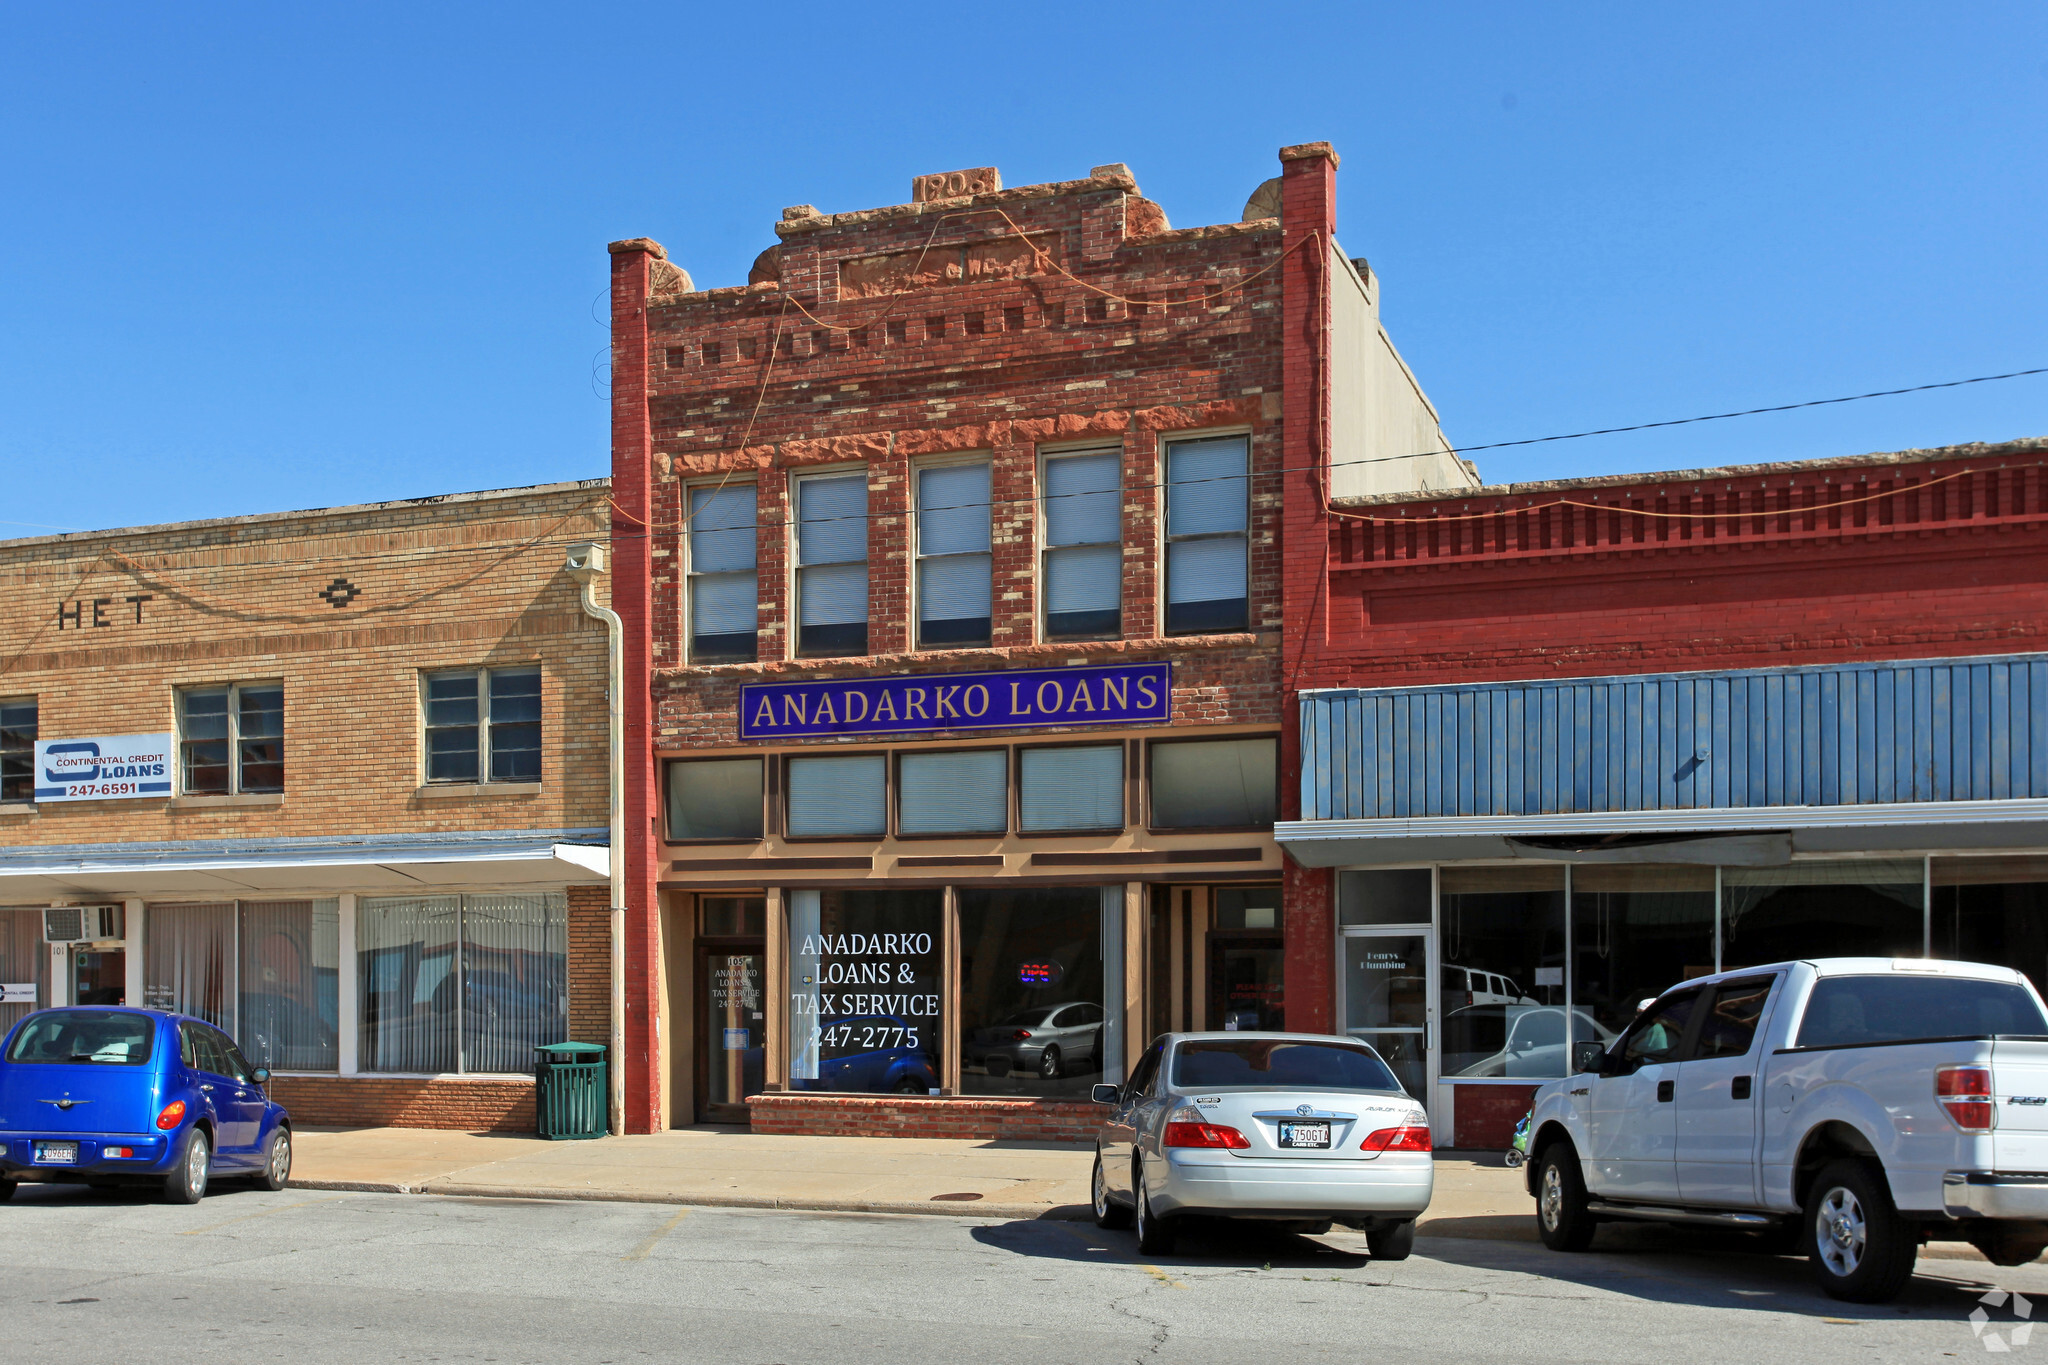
(105, 767)
(1111, 694)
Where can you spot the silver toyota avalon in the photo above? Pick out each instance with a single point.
(1299, 1128)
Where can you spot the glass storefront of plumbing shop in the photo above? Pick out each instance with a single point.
(1476, 980)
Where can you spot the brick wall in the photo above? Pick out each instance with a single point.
(437, 583)
(984, 1120)
(494, 1105)
(590, 964)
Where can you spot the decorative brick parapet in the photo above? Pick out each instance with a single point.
(983, 1119)
(496, 1104)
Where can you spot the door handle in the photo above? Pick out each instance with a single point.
(1664, 1089)
(1738, 1089)
(207, 1088)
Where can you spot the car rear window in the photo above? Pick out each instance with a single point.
(1213, 1063)
(1846, 1010)
(79, 1037)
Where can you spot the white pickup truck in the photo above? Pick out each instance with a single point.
(1846, 1108)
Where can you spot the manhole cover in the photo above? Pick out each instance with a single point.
(962, 1198)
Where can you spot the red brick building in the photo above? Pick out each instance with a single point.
(1564, 745)
(952, 550)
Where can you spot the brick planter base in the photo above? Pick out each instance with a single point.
(495, 1105)
(897, 1116)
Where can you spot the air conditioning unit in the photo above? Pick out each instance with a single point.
(82, 924)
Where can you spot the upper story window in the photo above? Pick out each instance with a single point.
(954, 564)
(1083, 574)
(724, 593)
(18, 749)
(231, 739)
(832, 563)
(1208, 535)
(483, 725)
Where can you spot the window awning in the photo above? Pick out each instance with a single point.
(1740, 835)
(387, 865)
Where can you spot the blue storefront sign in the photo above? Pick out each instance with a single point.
(1110, 694)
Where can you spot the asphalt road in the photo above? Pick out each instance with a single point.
(305, 1276)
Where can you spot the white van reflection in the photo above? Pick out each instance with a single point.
(1515, 1041)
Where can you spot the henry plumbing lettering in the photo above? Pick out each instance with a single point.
(1110, 694)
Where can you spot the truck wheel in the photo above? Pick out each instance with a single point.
(1862, 1251)
(1108, 1213)
(2009, 1246)
(1561, 1217)
(1391, 1244)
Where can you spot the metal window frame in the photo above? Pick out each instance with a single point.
(482, 674)
(33, 701)
(234, 731)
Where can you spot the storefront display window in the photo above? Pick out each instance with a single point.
(267, 973)
(1501, 980)
(1032, 1002)
(24, 965)
(1992, 910)
(1636, 930)
(1847, 908)
(865, 974)
(461, 983)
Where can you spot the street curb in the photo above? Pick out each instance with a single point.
(1033, 1212)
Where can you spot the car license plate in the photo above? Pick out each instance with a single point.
(57, 1153)
(1304, 1135)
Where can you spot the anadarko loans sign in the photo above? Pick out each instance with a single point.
(1110, 694)
(104, 767)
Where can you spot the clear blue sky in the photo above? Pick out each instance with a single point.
(265, 257)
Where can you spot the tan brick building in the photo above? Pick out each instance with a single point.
(354, 804)
(955, 543)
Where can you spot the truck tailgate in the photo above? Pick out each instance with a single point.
(2019, 1088)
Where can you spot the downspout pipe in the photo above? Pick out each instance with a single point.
(585, 562)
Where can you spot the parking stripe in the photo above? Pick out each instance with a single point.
(1154, 1271)
(639, 1253)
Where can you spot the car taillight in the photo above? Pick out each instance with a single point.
(117, 1151)
(174, 1113)
(1204, 1135)
(1406, 1138)
(1965, 1092)
(1020, 1035)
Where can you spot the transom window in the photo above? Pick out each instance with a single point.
(483, 725)
(231, 739)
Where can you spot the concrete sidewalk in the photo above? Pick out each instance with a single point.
(734, 1168)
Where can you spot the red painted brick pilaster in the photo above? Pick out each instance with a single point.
(632, 587)
(1308, 218)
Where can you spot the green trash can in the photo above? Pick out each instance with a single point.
(569, 1090)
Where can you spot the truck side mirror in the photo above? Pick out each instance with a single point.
(1589, 1056)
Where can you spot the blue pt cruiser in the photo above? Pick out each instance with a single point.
(129, 1096)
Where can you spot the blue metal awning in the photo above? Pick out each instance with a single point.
(1917, 748)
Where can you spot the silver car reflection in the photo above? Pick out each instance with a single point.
(1051, 1040)
(1297, 1128)
(1521, 1042)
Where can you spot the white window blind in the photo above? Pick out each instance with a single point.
(724, 599)
(839, 796)
(1208, 518)
(832, 553)
(1071, 788)
(953, 793)
(1083, 534)
(954, 563)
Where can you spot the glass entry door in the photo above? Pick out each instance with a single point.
(1387, 1001)
(731, 1031)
